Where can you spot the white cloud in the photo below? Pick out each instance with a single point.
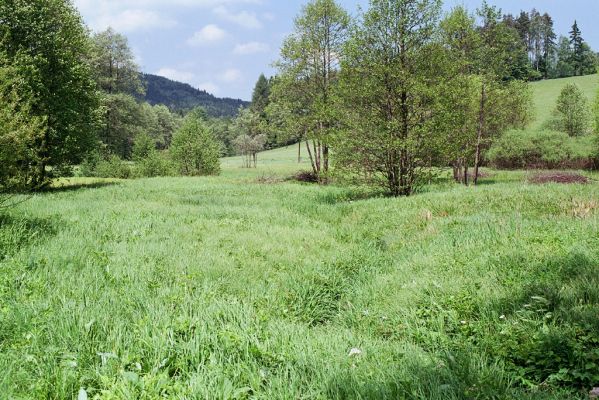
(176, 75)
(132, 15)
(86, 6)
(132, 20)
(251, 48)
(230, 75)
(245, 19)
(209, 87)
(207, 35)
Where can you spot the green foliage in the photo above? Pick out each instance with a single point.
(595, 115)
(143, 147)
(386, 92)
(19, 132)
(47, 44)
(156, 163)
(302, 94)
(112, 167)
(572, 113)
(122, 123)
(541, 149)
(225, 132)
(261, 95)
(194, 147)
(113, 63)
(166, 125)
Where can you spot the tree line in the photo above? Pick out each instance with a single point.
(397, 94)
(403, 91)
(69, 97)
(388, 99)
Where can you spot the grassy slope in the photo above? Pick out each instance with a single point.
(546, 93)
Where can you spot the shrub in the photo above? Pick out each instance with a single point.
(572, 112)
(113, 167)
(19, 131)
(143, 147)
(155, 164)
(87, 168)
(541, 149)
(194, 148)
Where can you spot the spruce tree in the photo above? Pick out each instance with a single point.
(261, 95)
(576, 41)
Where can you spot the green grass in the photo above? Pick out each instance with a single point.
(545, 94)
(224, 288)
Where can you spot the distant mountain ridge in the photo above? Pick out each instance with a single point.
(183, 97)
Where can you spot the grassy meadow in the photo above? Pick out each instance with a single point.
(545, 94)
(250, 286)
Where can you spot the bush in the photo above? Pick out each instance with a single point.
(541, 149)
(113, 167)
(194, 148)
(572, 112)
(155, 164)
(19, 132)
(143, 147)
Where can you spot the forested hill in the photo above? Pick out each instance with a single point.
(181, 96)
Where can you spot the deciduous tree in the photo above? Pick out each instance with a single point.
(387, 91)
(572, 114)
(194, 148)
(308, 71)
(48, 45)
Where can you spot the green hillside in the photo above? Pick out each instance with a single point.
(183, 97)
(546, 94)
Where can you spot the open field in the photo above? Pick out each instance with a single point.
(229, 289)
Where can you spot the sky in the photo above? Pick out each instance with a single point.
(222, 46)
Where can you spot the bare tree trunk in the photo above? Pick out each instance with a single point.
(465, 178)
(479, 136)
(316, 146)
(312, 161)
(457, 171)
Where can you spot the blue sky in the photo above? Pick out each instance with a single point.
(222, 46)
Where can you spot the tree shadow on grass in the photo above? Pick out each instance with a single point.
(339, 195)
(551, 332)
(459, 374)
(538, 339)
(75, 186)
(18, 232)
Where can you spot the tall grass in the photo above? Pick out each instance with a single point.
(195, 288)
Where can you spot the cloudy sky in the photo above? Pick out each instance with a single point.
(222, 46)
